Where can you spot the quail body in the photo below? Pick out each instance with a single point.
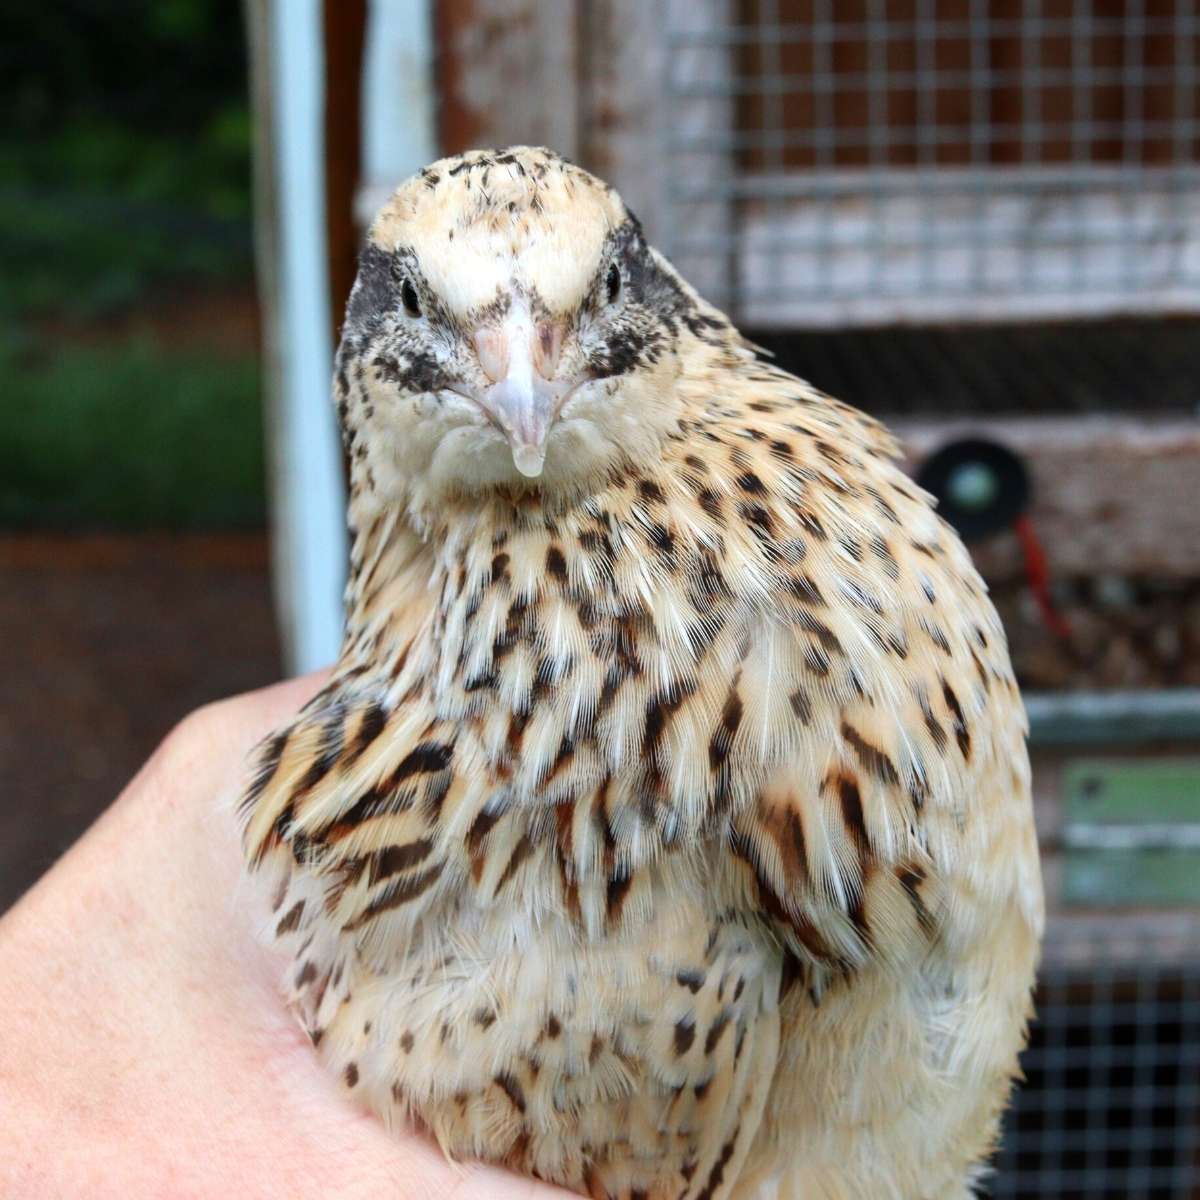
(664, 829)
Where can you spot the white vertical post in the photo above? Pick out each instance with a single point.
(399, 134)
(307, 491)
(398, 109)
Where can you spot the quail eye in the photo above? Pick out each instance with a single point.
(612, 284)
(409, 298)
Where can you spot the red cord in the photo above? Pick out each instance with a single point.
(1037, 573)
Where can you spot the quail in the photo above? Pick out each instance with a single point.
(664, 829)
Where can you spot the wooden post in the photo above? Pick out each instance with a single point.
(344, 25)
(508, 73)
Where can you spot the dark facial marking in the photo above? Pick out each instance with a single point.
(652, 305)
(389, 284)
(410, 299)
(612, 283)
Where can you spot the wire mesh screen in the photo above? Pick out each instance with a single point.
(877, 160)
(1111, 1106)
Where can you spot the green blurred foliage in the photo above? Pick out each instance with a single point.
(143, 97)
(124, 185)
(128, 436)
(124, 153)
(81, 255)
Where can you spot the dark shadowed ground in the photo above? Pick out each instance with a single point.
(107, 642)
(1130, 365)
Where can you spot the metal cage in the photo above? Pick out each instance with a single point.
(872, 161)
(841, 163)
(1111, 1104)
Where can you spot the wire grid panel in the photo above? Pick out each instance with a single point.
(871, 161)
(1111, 1104)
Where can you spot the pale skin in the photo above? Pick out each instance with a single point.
(144, 1049)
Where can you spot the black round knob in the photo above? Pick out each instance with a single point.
(981, 486)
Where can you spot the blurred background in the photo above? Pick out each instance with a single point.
(978, 219)
(133, 565)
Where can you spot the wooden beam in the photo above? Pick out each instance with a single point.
(344, 25)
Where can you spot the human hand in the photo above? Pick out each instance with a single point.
(144, 1048)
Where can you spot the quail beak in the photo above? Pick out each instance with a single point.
(520, 357)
